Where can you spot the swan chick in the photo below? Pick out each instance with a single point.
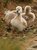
(28, 12)
(9, 15)
(18, 21)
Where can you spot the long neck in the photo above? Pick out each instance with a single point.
(19, 16)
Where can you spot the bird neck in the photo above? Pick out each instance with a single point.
(19, 17)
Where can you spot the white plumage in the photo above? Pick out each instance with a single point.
(18, 21)
(9, 15)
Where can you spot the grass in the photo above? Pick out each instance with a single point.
(9, 44)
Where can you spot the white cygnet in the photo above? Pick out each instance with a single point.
(18, 21)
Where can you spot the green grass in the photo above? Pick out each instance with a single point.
(9, 44)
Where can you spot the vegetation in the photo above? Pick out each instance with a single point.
(27, 1)
(6, 1)
(9, 44)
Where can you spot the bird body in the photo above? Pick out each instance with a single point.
(9, 15)
(19, 22)
(28, 15)
(32, 15)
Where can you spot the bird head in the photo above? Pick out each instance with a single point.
(27, 9)
(19, 9)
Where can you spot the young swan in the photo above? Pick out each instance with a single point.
(9, 15)
(18, 21)
(28, 14)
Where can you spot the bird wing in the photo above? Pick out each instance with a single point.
(33, 16)
(24, 16)
(9, 17)
(24, 22)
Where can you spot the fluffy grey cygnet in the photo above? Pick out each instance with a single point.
(28, 13)
(9, 15)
